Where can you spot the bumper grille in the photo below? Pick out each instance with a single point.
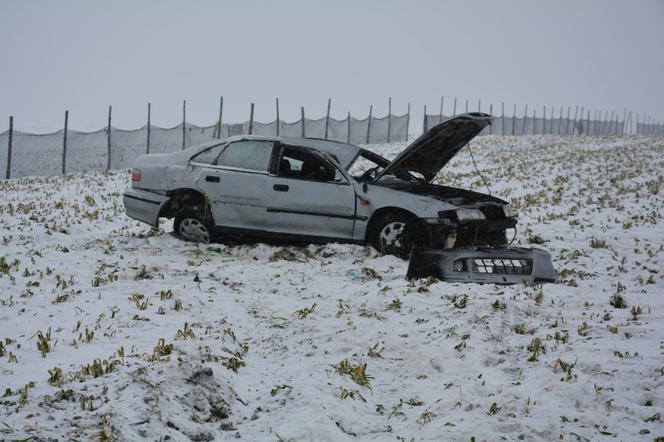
(502, 266)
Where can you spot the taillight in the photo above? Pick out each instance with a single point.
(136, 174)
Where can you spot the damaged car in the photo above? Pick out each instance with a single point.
(309, 190)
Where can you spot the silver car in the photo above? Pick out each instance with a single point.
(308, 190)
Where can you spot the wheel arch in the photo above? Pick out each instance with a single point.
(181, 199)
(382, 212)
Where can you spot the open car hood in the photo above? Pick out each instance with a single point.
(435, 148)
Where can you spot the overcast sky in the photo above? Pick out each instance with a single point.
(86, 55)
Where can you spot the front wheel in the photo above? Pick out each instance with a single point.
(396, 234)
(193, 226)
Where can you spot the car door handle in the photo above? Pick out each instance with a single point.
(211, 179)
(281, 187)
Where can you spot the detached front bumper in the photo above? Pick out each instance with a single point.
(495, 265)
(143, 205)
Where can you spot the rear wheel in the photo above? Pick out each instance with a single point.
(396, 234)
(194, 225)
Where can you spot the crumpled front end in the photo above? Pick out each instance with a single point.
(494, 265)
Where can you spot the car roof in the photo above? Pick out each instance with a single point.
(344, 152)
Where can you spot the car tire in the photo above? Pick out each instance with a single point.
(194, 225)
(396, 234)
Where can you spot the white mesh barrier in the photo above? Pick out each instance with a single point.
(649, 129)
(503, 125)
(42, 155)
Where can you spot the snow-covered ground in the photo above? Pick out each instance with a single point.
(112, 331)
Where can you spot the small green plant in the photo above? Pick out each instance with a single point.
(185, 332)
(598, 243)
(493, 409)
(566, 368)
(394, 305)
(356, 372)
(43, 342)
(165, 294)
(306, 311)
(161, 349)
(89, 334)
(177, 305)
(55, 377)
(535, 347)
(498, 305)
(636, 311)
(278, 388)
(232, 363)
(618, 301)
(374, 351)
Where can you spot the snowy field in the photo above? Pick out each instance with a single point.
(111, 331)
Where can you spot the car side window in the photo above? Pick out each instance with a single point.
(208, 156)
(247, 154)
(301, 164)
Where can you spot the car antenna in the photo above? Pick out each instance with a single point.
(472, 157)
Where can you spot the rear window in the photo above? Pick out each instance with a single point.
(248, 154)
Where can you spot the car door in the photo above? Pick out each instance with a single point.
(236, 184)
(309, 195)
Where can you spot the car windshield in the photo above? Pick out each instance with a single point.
(368, 165)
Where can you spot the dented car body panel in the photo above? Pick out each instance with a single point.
(280, 187)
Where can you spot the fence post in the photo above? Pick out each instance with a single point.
(424, 121)
(108, 139)
(560, 120)
(551, 122)
(502, 118)
(534, 121)
(10, 140)
(491, 113)
(147, 143)
(525, 117)
(466, 105)
(544, 121)
(251, 119)
(623, 122)
(348, 128)
(64, 144)
(302, 121)
(442, 101)
(184, 121)
(588, 123)
(454, 109)
(407, 121)
(327, 117)
(567, 120)
(278, 120)
(479, 105)
(221, 114)
(369, 124)
(389, 117)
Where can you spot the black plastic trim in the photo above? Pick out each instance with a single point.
(306, 212)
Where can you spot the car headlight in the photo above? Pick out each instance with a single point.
(469, 214)
(508, 211)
